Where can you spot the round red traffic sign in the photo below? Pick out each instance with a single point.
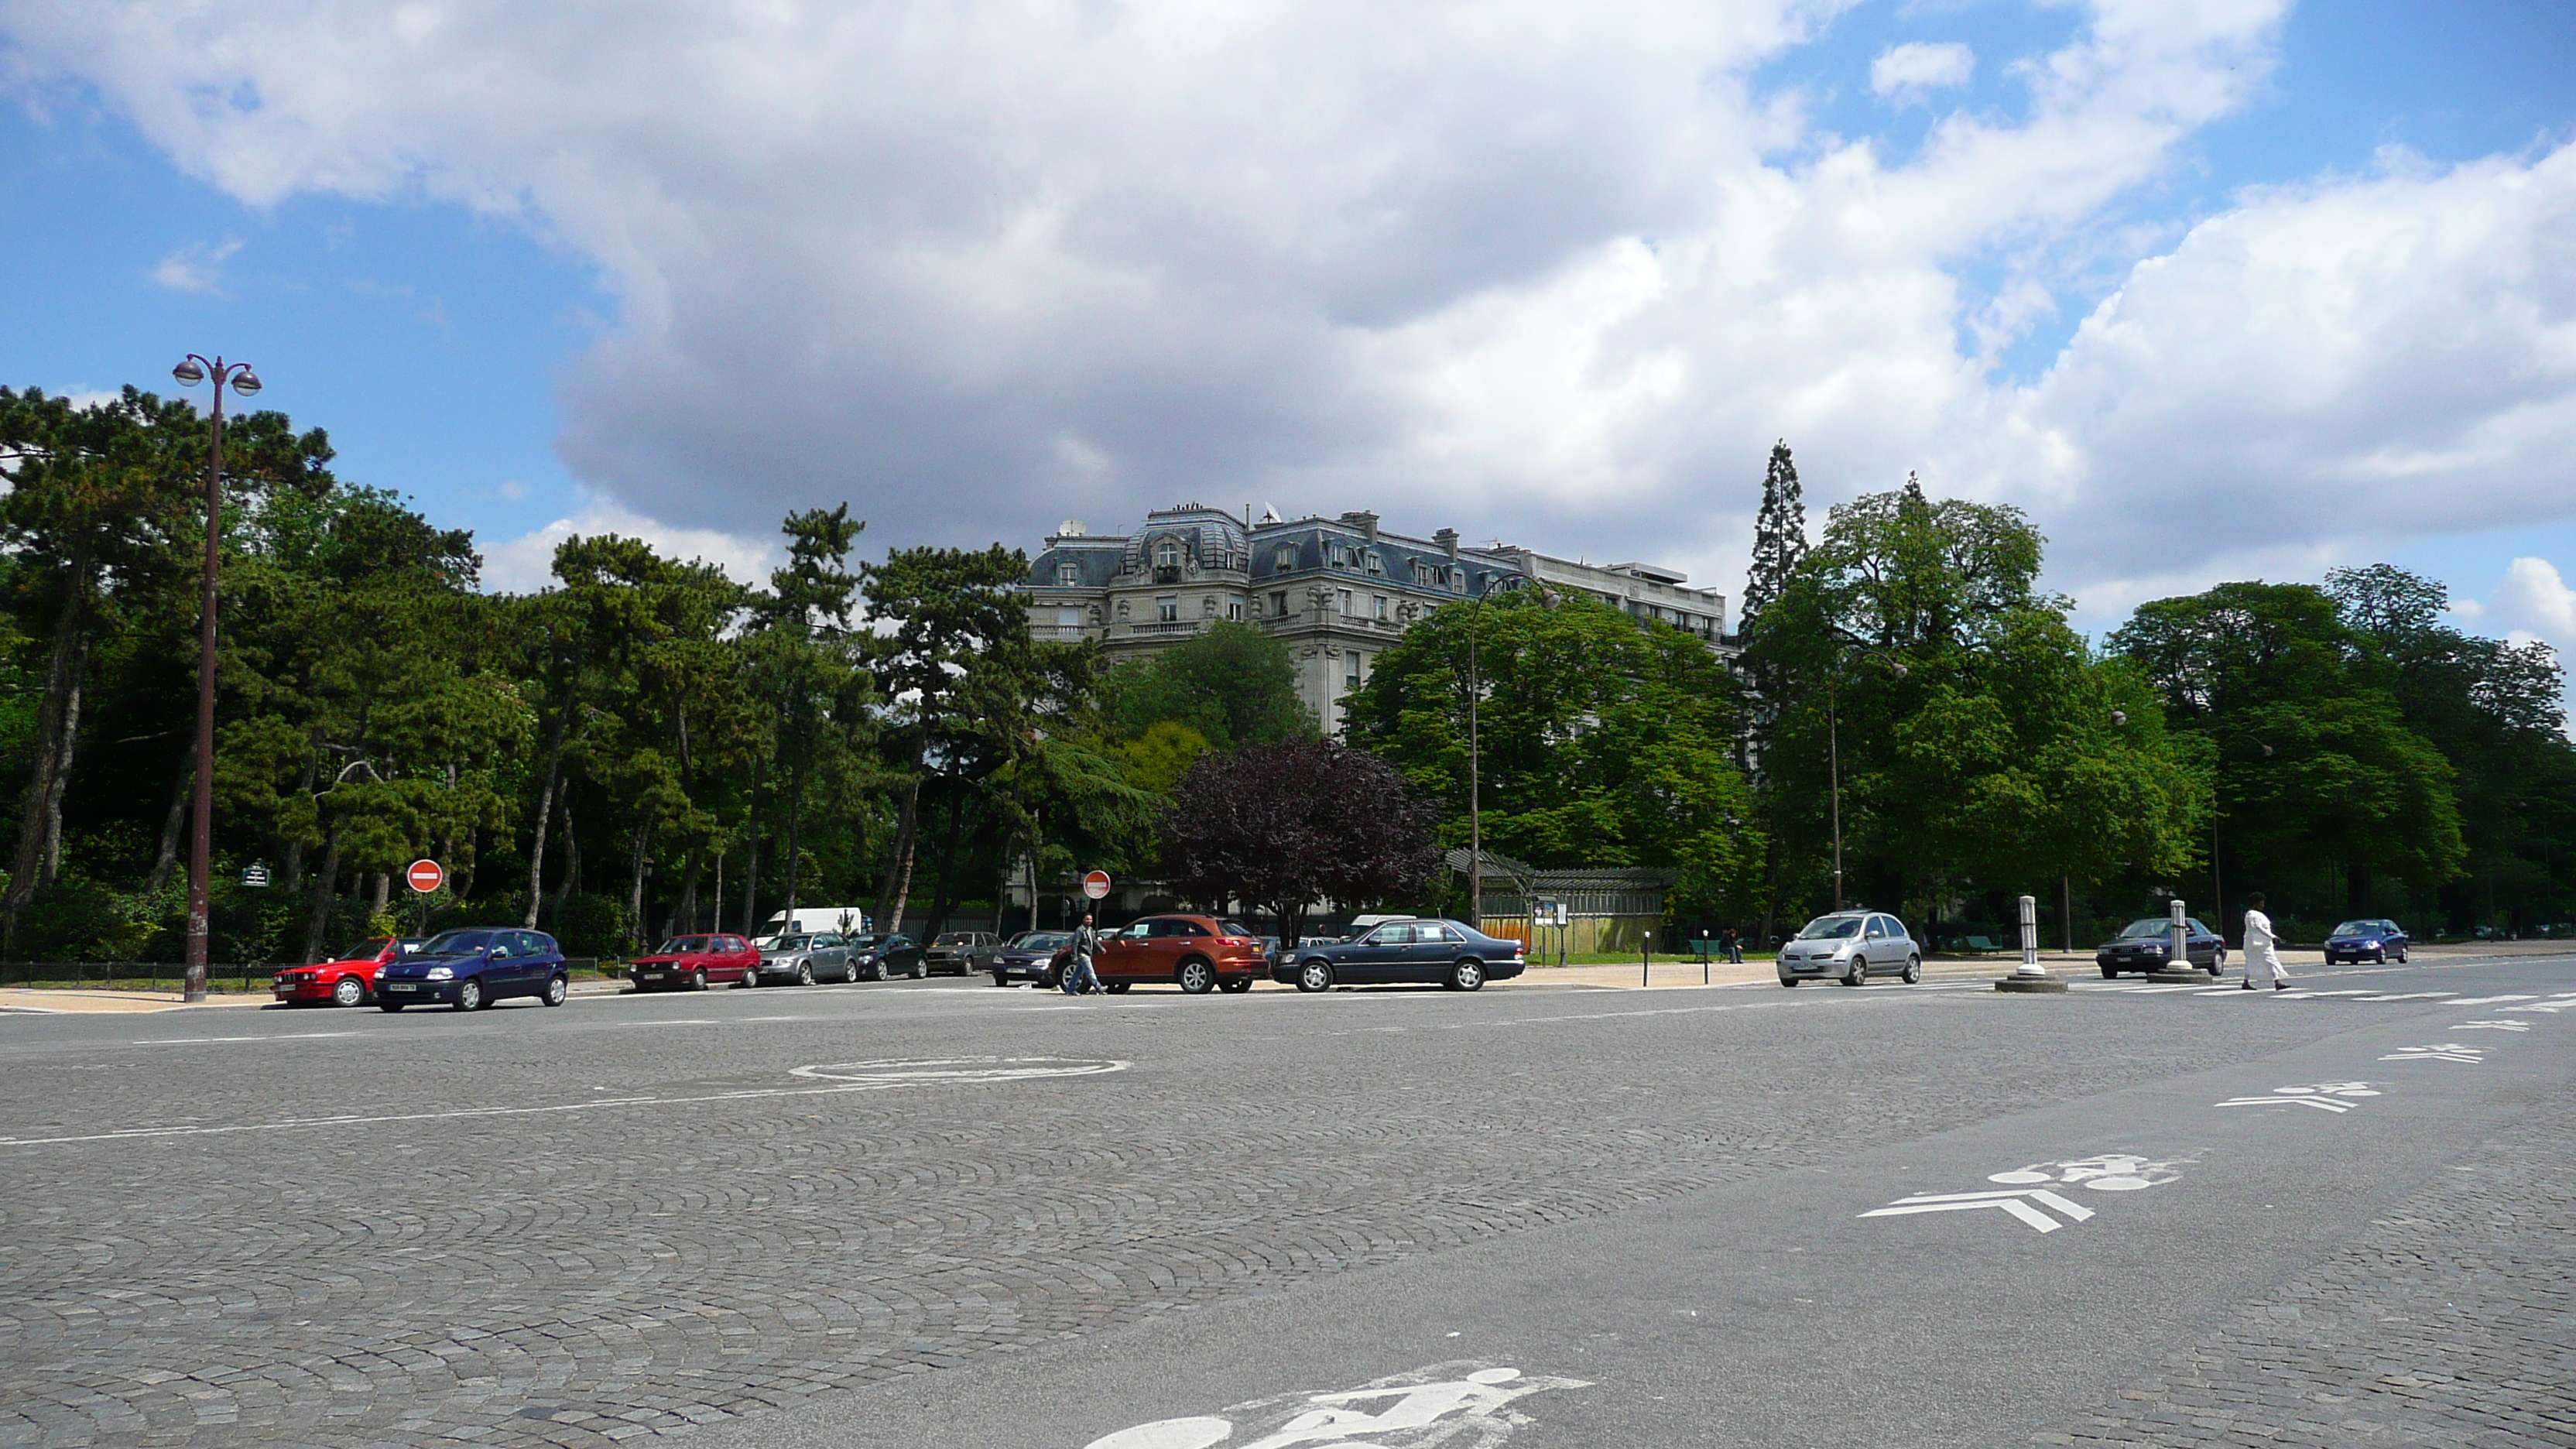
(1096, 884)
(425, 876)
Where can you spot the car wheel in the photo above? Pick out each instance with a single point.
(2401, 955)
(1001, 978)
(469, 995)
(2110, 973)
(348, 992)
(1788, 980)
(1913, 970)
(1857, 974)
(1467, 976)
(804, 973)
(849, 974)
(920, 972)
(391, 1005)
(1315, 976)
(2379, 957)
(750, 977)
(698, 979)
(1197, 977)
(557, 989)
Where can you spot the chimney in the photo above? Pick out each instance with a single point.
(1366, 523)
(1447, 538)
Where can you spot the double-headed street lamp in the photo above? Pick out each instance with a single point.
(1834, 743)
(192, 370)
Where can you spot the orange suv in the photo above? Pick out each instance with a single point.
(1197, 953)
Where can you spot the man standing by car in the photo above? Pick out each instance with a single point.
(2262, 948)
(1078, 975)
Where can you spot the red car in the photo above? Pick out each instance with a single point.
(1196, 953)
(348, 979)
(693, 963)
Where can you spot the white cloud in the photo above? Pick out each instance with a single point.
(526, 563)
(1908, 70)
(198, 267)
(2534, 600)
(1552, 275)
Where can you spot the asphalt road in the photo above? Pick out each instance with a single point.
(945, 1214)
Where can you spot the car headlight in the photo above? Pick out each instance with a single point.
(441, 973)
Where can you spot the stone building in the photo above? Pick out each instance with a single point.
(1337, 591)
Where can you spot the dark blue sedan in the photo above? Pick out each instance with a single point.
(1416, 953)
(470, 969)
(2367, 940)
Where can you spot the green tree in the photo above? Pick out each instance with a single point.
(1231, 686)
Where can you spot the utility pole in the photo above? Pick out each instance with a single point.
(192, 370)
(1475, 780)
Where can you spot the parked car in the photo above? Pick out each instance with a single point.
(1851, 947)
(960, 953)
(2376, 940)
(876, 957)
(1197, 953)
(693, 963)
(1413, 951)
(805, 958)
(1029, 957)
(348, 978)
(470, 969)
(2146, 944)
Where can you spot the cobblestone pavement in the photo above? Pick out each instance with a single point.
(2451, 1321)
(559, 1272)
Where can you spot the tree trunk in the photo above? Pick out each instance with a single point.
(2066, 910)
(572, 862)
(546, 811)
(635, 880)
(943, 897)
(683, 915)
(751, 867)
(898, 878)
(319, 921)
(166, 859)
(379, 894)
(62, 784)
(795, 829)
(303, 791)
(68, 660)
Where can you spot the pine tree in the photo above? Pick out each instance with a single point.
(1779, 537)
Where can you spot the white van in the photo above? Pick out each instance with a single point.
(841, 920)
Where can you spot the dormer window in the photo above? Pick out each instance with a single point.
(1421, 573)
(1167, 555)
(1285, 558)
(1376, 565)
(1067, 575)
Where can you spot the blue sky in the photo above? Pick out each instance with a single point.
(974, 291)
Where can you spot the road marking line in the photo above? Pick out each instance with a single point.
(2011, 1202)
(2326, 1103)
(2486, 1000)
(202, 1040)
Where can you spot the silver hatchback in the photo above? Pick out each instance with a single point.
(1851, 947)
(805, 959)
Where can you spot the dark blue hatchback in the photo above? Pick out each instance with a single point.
(2366, 941)
(470, 969)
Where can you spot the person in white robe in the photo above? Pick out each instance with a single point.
(2262, 949)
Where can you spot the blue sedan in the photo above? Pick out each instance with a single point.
(2372, 940)
(1419, 952)
(471, 969)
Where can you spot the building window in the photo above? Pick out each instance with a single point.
(1351, 669)
(1167, 609)
(1285, 558)
(1422, 573)
(1457, 581)
(1379, 601)
(1068, 574)
(1167, 555)
(1068, 618)
(1279, 604)
(1343, 598)
(1234, 610)
(1376, 564)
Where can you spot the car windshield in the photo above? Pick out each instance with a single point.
(2358, 928)
(866, 940)
(1040, 941)
(2147, 928)
(1234, 928)
(956, 938)
(457, 943)
(787, 943)
(1831, 928)
(682, 945)
(364, 950)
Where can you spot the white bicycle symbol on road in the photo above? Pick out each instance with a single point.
(1434, 1406)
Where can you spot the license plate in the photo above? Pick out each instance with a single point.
(400, 987)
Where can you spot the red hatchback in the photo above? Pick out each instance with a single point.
(693, 963)
(1196, 953)
(348, 979)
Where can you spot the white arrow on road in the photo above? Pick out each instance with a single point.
(2449, 1051)
(2011, 1202)
(2327, 1096)
(2493, 1026)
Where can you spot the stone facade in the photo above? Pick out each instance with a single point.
(1337, 591)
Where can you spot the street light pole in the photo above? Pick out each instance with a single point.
(1475, 778)
(1834, 757)
(192, 370)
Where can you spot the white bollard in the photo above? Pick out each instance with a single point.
(2179, 959)
(2029, 938)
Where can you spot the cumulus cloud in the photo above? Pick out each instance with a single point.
(1555, 276)
(1908, 70)
(198, 267)
(2533, 599)
(526, 563)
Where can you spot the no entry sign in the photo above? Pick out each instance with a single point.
(425, 876)
(1096, 884)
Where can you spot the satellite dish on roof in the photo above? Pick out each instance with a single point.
(1270, 513)
(1070, 528)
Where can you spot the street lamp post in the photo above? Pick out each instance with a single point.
(1475, 778)
(192, 370)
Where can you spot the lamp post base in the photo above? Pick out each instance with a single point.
(2034, 984)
